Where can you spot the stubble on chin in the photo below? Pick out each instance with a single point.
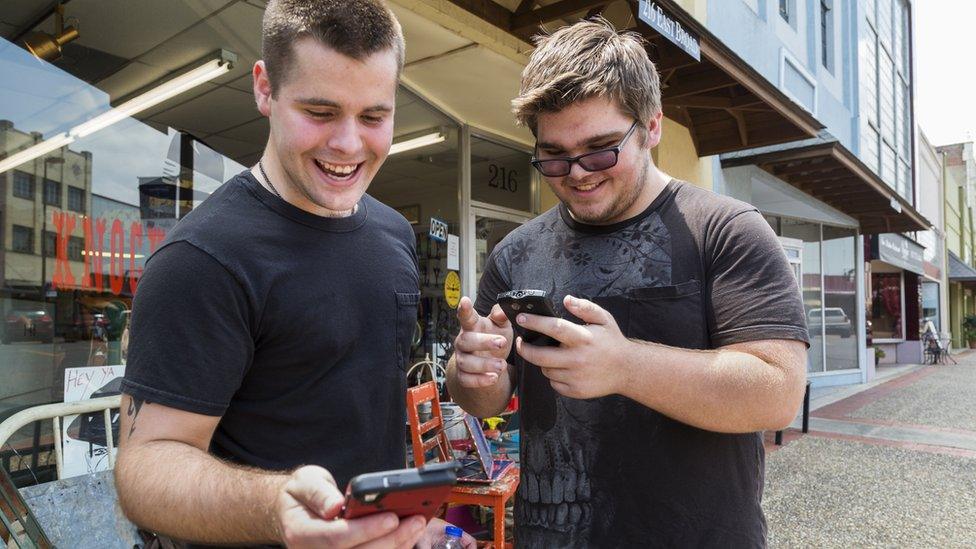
(612, 212)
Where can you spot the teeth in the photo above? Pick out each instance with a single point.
(585, 188)
(337, 168)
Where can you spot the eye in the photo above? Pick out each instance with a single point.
(373, 120)
(318, 114)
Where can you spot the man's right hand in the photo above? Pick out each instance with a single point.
(309, 503)
(482, 347)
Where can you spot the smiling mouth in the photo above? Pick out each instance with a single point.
(339, 172)
(587, 188)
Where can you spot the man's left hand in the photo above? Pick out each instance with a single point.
(589, 361)
(435, 531)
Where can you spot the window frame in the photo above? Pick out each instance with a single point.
(30, 180)
(22, 231)
(55, 184)
(80, 193)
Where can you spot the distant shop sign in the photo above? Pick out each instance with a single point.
(899, 251)
(654, 16)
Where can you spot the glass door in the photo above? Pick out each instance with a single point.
(488, 228)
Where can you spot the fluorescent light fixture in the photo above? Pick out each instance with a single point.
(34, 151)
(154, 96)
(417, 142)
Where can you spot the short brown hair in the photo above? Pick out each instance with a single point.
(585, 60)
(354, 28)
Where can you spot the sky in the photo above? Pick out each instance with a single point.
(945, 101)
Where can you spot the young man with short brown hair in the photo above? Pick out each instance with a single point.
(271, 328)
(682, 333)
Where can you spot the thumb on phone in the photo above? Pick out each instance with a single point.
(498, 316)
(315, 488)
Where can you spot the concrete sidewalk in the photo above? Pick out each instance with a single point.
(886, 464)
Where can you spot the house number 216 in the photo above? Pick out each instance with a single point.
(501, 178)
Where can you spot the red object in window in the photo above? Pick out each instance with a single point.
(513, 404)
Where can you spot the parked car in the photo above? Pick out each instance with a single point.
(836, 321)
(28, 325)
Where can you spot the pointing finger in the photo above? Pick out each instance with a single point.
(466, 314)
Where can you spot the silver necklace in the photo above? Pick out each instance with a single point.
(265, 176)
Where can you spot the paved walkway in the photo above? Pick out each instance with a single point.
(887, 464)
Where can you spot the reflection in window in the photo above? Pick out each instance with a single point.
(23, 185)
(23, 239)
(840, 298)
(76, 246)
(76, 199)
(784, 9)
(809, 234)
(930, 304)
(50, 243)
(886, 306)
(52, 193)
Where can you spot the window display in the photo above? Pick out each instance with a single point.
(886, 306)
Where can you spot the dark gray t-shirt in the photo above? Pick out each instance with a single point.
(695, 270)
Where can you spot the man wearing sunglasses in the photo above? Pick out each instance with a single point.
(681, 337)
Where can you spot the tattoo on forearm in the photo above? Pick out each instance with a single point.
(135, 404)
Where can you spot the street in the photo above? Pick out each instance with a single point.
(893, 465)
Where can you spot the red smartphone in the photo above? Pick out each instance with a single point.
(406, 492)
(536, 302)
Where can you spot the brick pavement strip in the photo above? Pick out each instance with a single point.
(822, 492)
(944, 398)
(891, 466)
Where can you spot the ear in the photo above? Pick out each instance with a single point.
(262, 88)
(654, 130)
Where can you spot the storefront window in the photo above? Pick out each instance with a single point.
(840, 298)
(82, 207)
(930, 304)
(500, 175)
(886, 306)
(422, 183)
(809, 235)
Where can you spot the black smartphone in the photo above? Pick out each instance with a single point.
(406, 492)
(534, 302)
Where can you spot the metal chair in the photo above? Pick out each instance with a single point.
(24, 526)
(495, 495)
(945, 348)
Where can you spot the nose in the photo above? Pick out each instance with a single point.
(576, 172)
(345, 138)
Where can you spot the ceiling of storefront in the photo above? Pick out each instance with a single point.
(127, 45)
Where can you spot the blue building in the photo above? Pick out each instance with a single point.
(845, 202)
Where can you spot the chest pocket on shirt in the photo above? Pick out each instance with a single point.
(671, 315)
(406, 324)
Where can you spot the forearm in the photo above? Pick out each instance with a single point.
(183, 492)
(719, 390)
(479, 401)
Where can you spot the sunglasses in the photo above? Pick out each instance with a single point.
(595, 161)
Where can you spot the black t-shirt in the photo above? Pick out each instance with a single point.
(695, 270)
(293, 328)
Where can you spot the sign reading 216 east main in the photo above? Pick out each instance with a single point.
(669, 27)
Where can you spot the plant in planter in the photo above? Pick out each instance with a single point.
(969, 330)
(878, 355)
